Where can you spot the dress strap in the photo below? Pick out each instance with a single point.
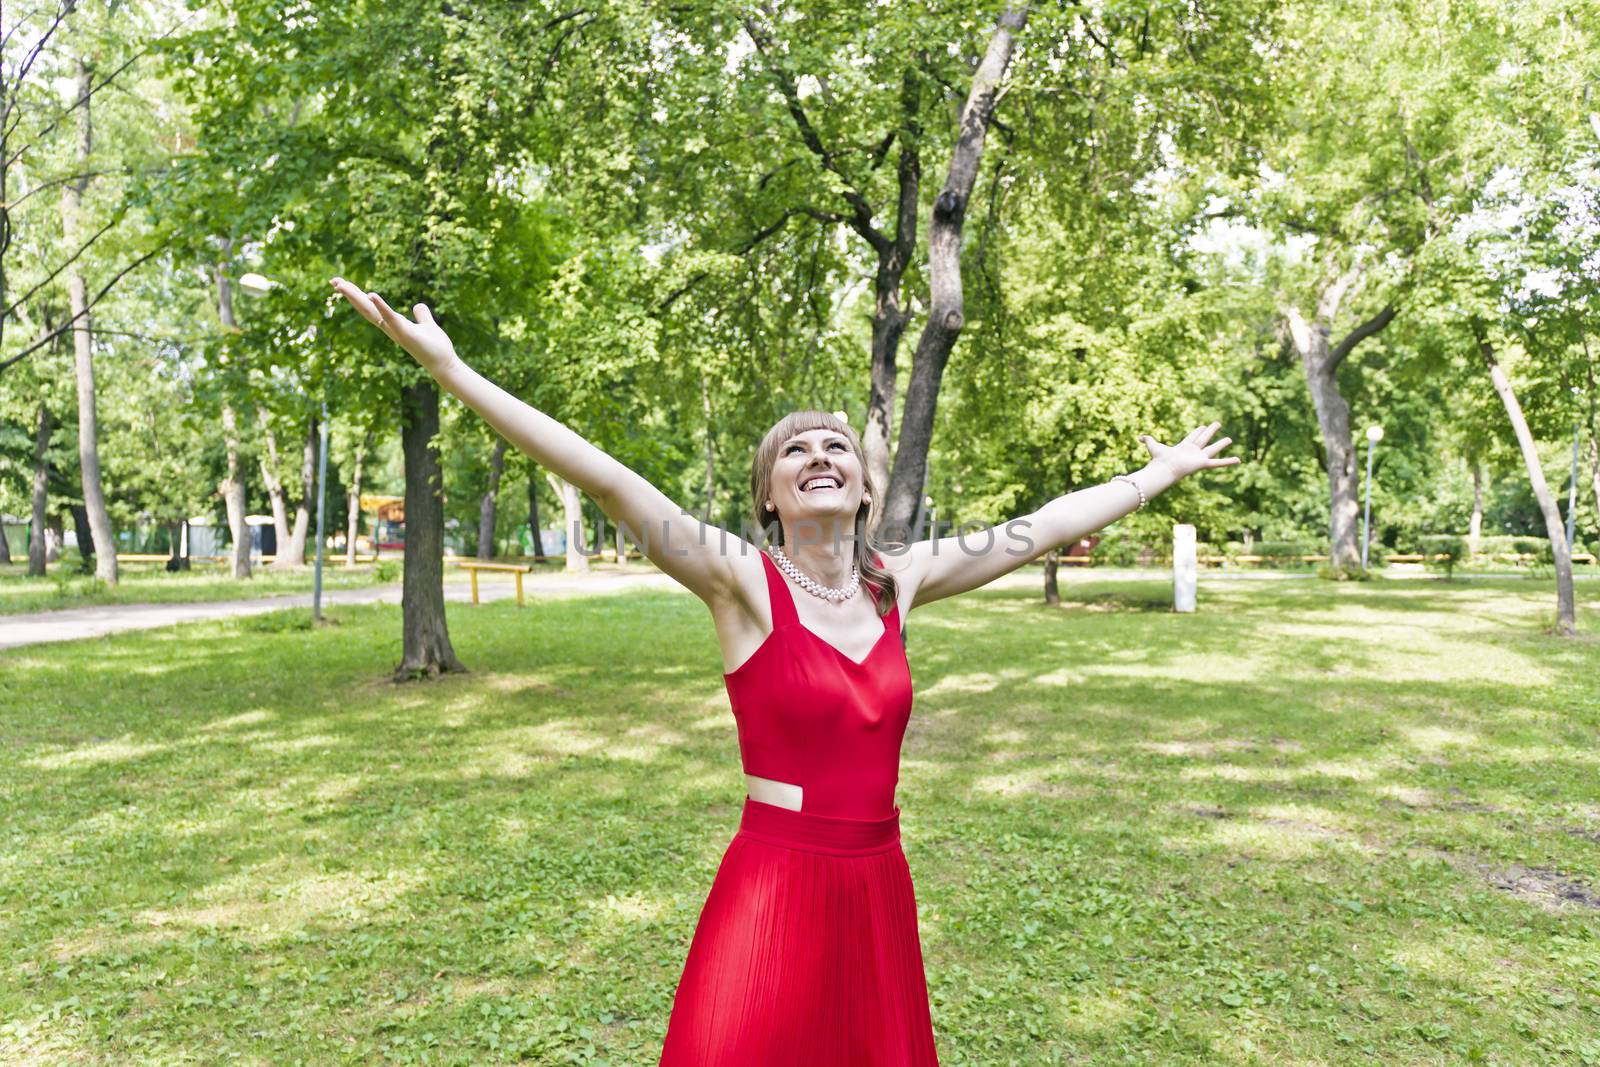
(779, 595)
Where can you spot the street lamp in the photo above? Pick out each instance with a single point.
(255, 284)
(1374, 435)
(260, 285)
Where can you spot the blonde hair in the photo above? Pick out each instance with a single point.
(865, 544)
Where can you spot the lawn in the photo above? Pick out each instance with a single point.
(1312, 824)
(65, 586)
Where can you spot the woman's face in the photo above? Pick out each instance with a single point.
(817, 476)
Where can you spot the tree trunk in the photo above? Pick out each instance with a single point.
(84, 534)
(177, 556)
(1594, 471)
(94, 500)
(37, 543)
(280, 506)
(5, 545)
(488, 506)
(572, 506)
(893, 254)
(1322, 359)
(533, 511)
(353, 526)
(946, 311)
(426, 645)
(232, 490)
(1475, 525)
(232, 487)
(296, 552)
(54, 539)
(1566, 607)
(1052, 564)
(711, 455)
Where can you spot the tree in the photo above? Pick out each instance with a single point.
(94, 502)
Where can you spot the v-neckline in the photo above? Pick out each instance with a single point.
(794, 606)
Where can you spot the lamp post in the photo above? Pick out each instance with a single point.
(1374, 435)
(260, 285)
(322, 496)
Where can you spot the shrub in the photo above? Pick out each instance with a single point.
(1117, 550)
(1453, 547)
(1285, 551)
(385, 570)
(1514, 544)
(1343, 574)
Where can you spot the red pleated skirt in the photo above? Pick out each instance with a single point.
(806, 953)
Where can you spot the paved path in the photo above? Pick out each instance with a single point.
(74, 623)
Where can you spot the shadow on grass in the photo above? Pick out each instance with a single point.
(1128, 826)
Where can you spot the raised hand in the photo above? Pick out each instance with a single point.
(423, 338)
(1192, 453)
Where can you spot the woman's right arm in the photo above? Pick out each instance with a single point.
(697, 555)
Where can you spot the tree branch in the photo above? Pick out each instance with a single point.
(87, 308)
(861, 220)
(1359, 334)
(59, 268)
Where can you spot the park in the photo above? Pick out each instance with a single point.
(387, 392)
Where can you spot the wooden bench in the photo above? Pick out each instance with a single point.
(472, 567)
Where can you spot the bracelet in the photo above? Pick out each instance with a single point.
(1136, 489)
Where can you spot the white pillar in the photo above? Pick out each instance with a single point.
(1183, 567)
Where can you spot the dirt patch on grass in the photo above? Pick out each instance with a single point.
(1545, 887)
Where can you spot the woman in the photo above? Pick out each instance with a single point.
(806, 952)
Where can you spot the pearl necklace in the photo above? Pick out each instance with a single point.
(811, 585)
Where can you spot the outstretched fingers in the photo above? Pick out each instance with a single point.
(392, 319)
(359, 301)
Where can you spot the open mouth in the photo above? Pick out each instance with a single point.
(820, 481)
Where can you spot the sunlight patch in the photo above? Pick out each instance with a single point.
(1197, 748)
(300, 744)
(1096, 1011)
(1475, 961)
(119, 750)
(336, 788)
(1283, 839)
(1061, 676)
(1235, 773)
(643, 743)
(1038, 782)
(1361, 772)
(251, 902)
(560, 737)
(980, 682)
(1410, 796)
(1431, 739)
(244, 718)
(717, 720)
(632, 908)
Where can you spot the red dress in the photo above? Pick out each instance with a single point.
(806, 953)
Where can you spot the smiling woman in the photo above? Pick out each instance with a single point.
(806, 951)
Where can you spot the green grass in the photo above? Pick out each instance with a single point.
(65, 586)
(1311, 824)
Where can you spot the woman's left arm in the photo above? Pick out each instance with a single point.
(949, 565)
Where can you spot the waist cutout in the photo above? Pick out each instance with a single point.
(829, 834)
